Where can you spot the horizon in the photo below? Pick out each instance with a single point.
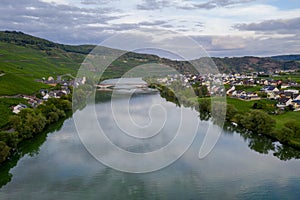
(225, 28)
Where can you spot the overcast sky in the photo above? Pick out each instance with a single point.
(222, 27)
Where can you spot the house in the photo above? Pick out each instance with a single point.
(288, 95)
(296, 104)
(252, 96)
(270, 88)
(230, 90)
(43, 92)
(46, 97)
(284, 102)
(297, 97)
(18, 108)
(271, 91)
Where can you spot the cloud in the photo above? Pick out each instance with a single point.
(60, 23)
(255, 46)
(188, 5)
(224, 27)
(66, 23)
(153, 4)
(56, 1)
(96, 2)
(280, 25)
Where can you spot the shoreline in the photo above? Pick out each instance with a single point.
(274, 133)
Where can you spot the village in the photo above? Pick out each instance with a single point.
(246, 87)
(284, 92)
(59, 88)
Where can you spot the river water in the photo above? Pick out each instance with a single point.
(240, 166)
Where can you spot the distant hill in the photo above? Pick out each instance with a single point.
(254, 64)
(287, 58)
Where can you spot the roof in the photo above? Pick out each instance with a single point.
(283, 100)
(296, 101)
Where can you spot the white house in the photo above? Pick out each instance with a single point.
(46, 97)
(18, 108)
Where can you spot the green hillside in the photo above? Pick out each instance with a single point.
(22, 61)
(24, 58)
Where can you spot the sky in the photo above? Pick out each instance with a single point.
(223, 27)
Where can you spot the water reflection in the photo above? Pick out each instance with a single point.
(29, 148)
(241, 166)
(64, 170)
(263, 144)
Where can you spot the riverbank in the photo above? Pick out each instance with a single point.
(29, 147)
(283, 127)
(31, 122)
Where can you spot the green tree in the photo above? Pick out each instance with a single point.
(28, 122)
(204, 108)
(11, 139)
(258, 122)
(204, 105)
(284, 134)
(294, 126)
(259, 105)
(52, 117)
(4, 151)
(231, 111)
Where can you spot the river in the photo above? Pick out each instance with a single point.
(240, 166)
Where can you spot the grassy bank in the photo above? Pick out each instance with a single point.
(285, 117)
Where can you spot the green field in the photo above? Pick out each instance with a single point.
(242, 106)
(291, 77)
(246, 106)
(12, 84)
(248, 88)
(22, 65)
(286, 117)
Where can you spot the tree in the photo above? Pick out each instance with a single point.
(201, 91)
(259, 105)
(284, 134)
(294, 126)
(11, 139)
(28, 122)
(38, 122)
(258, 122)
(4, 151)
(52, 117)
(231, 111)
(204, 105)
(204, 108)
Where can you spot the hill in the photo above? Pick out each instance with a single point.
(253, 64)
(21, 39)
(24, 58)
(286, 58)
